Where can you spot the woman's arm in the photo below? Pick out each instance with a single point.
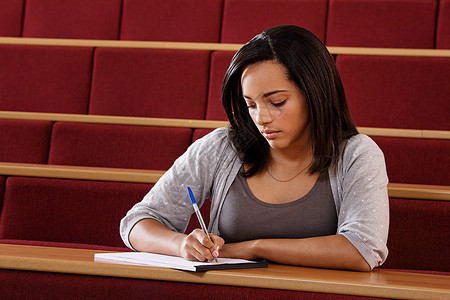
(333, 251)
(149, 235)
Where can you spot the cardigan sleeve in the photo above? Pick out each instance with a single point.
(168, 201)
(363, 214)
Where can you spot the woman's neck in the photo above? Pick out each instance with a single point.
(293, 157)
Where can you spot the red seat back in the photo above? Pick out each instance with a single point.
(118, 146)
(45, 79)
(418, 233)
(243, 19)
(71, 211)
(171, 20)
(150, 83)
(417, 161)
(397, 92)
(24, 141)
(11, 14)
(220, 60)
(380, 23)
(443, 25)
(74, 19)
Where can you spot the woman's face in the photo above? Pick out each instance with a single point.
(276, 105)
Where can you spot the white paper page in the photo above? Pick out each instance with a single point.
(159, 260)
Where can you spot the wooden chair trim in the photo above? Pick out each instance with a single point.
(211, 46)
(396, 190)
(204, 124)
(378, 283)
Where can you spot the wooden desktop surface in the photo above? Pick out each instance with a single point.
(378, 283)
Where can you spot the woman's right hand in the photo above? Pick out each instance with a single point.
(198, 247)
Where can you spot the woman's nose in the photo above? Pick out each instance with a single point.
(263, 115)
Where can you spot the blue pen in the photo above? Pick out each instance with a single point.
(199, 215)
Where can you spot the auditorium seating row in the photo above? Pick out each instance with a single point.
(187, 84)
(370, 23)
(147, 147)
(86, 214)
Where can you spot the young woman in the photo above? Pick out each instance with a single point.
(290, 180)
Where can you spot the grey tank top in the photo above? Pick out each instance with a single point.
(244, 217)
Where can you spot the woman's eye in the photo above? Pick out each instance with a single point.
(278, 104)
(251, 106)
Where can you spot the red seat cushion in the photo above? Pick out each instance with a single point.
(172, 20)
(150, 83)
(64, 245)
(24, 141)
(243, 19)
(443, 25)
(381, 23)
(422, 161)
(43, 285)
(397, 92)
(137, 147)
(69, 211)
(45, 79)
(74, 19)
(418, 233)
(11, 14)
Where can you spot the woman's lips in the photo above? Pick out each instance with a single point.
(270, 134)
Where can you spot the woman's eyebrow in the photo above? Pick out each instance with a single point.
(265, 95)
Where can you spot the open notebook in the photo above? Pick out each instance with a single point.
(167, 261)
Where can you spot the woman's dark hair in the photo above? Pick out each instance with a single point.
(311, 67)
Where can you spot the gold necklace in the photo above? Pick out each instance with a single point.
(289, 178)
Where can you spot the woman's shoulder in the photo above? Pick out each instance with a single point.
(361, 143)
(213, 138)
(361, 151)
(212, 143)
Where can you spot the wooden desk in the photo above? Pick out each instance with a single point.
(377, 283)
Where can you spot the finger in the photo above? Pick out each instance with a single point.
(218, 243)
(217, 240)
(203, 238)
(203, 253)
(200, 244)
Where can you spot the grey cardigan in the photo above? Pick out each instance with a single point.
(209, 166)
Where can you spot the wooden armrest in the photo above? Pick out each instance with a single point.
(211, 46)
(396, 190)
(378, 283)
(80, 172)
(205, 124)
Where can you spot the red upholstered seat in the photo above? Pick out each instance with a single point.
(118, 146)
(243, 19)
(45, 79)
(71, 211)
(220, 60)
(381, 23)
(418, 233)
(150, 83)
(421, 161)
(443, 25)
(121, 248)
(397, 92)
(24, 141)
(171, 20)
(41, 285)
(11, 14)
(79, 19)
